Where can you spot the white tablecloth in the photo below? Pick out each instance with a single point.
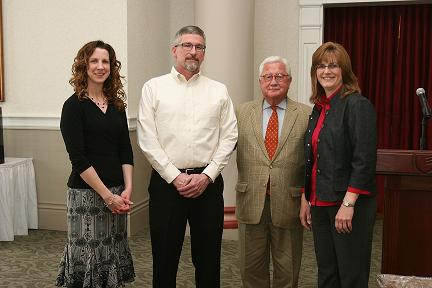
(18, 200)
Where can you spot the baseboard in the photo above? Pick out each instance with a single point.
(230, 219)
(230, 234)
(52, 216)
(230, 231)
(138, 218)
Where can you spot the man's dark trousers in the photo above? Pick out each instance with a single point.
(169, 212)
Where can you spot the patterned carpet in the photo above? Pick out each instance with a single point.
(31, 261)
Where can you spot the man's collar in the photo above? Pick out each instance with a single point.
(282, 105)
(179, 76)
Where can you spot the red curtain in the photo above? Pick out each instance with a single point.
(391, 54)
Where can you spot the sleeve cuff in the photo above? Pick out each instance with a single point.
(83, 167)
(211, 171)
(358, 191)
(170, 173)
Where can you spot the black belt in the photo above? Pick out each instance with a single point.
(198, 170)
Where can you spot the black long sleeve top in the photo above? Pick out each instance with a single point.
(96, 139)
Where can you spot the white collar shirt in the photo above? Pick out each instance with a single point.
(186, 124)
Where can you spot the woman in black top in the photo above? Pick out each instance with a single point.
(340, 149)
(95, 131)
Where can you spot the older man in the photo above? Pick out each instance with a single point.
(187, 130)
(270, 162)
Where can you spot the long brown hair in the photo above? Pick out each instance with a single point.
(331, 52)
(112, 87)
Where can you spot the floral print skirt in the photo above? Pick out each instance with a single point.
(97, 253)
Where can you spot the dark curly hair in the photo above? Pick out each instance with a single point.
(112, 87)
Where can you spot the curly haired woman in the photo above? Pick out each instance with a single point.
(95, 131)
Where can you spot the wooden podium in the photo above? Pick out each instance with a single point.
(407, 232)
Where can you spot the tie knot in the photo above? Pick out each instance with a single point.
(274, 108)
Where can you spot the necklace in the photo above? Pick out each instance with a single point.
(100, 104)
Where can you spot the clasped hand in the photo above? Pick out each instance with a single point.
(121, 204)
(191, 186)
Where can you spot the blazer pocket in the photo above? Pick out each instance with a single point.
(294, 191)
(241, 187)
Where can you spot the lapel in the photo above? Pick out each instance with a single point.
(257, 119)
(290, 118)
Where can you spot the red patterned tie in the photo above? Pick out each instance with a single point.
(271, 137)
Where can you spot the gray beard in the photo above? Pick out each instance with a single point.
(191, 66)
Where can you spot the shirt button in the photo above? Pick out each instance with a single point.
(318, 171)
(271, 166)
(319, 140)
(327, 112)
(308, 145)
(318, 156)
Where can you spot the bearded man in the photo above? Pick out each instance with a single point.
(187, 129)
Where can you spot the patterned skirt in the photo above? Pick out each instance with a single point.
(97, 252)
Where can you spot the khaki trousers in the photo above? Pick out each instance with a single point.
(258, 242)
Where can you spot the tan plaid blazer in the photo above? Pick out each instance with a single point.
(286, 170)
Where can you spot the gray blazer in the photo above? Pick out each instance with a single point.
(286, 170)
(347, 148)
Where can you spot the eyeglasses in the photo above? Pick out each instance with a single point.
(199, 48)
(330, 66)
(278, 77)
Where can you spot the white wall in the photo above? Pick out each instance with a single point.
(41, 38)
(151, 26)
(182, 13)
(276, 33)
(147, 45)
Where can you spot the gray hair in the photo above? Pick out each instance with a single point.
(190, 29)
(274, 59)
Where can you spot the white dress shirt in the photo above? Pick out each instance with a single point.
(186, 124)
